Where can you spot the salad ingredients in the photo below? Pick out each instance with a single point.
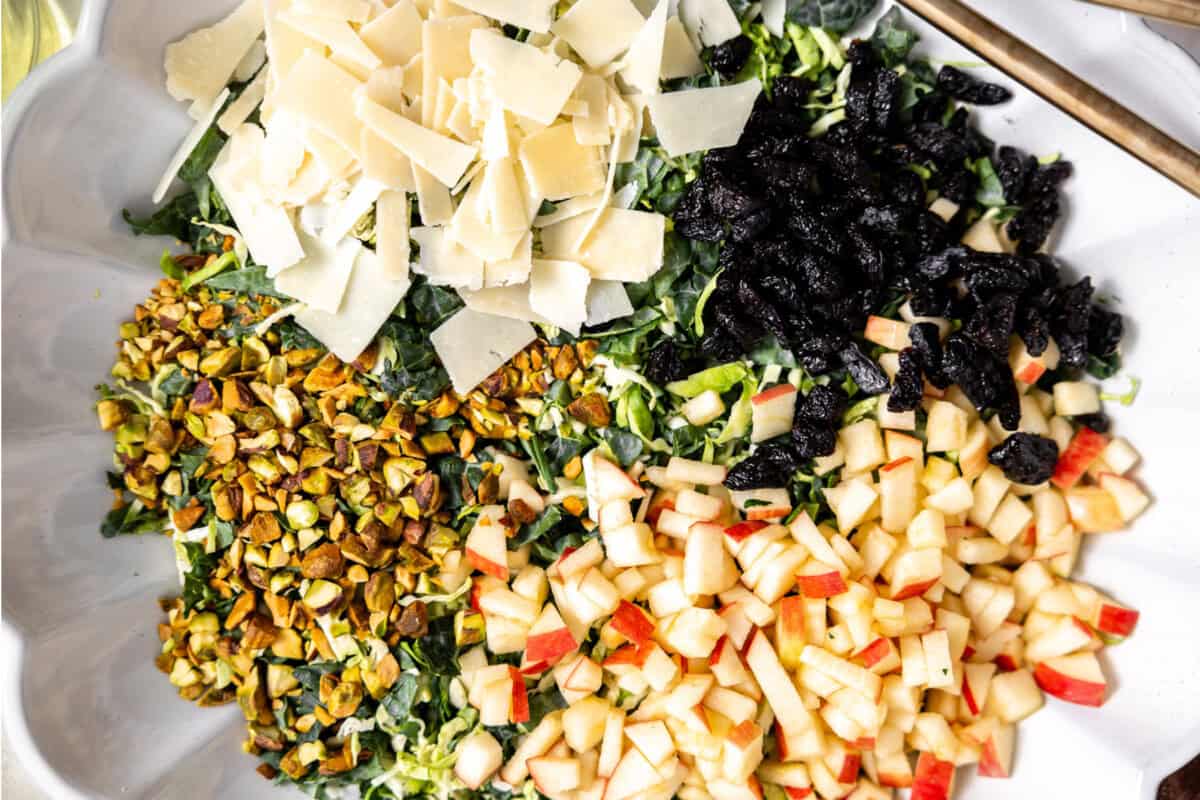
(511, 446)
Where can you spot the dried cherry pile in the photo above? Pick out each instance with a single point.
(820, 233)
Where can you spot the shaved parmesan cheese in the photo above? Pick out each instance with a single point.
(369, 299)
(445, 262)
(643, 62)
(472, 345)
(504, 198)
(336, 34)
(200, 64)
(386, 164)
(413, 78)
(592, 128)
(241, 108)
(446, 55)
(350, 210)
(433, 198)
(469, 227)
(774, 14)
(504, 301)
(496, 142)
(322, 94)
(570, 208)
(348, 10)
(599, 30)
(624, 246)
(187, 146)
(632, 113)
(614, 155)
(391, 234)
(395, 35)
(337, 161)
(439, 155)
(558, 167)
(679, 59)
(606, 301)
(320, 279)
(710, 22)
(558, 291)
(702, 119)
(534, 15)
(524, 79)
(386, 87)
(459, 123)
(251, 63)
(512, 270)
(285, 44)
(467, 177)
(267, 229)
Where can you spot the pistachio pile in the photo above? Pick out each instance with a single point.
(313, 515)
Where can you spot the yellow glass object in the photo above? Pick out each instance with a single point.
(32, 31)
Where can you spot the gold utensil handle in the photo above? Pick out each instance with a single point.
(1059, 87)
(1184, 12)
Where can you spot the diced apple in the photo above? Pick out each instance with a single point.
(945, 427)
(778, 575)
(820, 580)
(554, 776)
(632, 622)
(479, 756)
(726, 664)
(1065, 636)
(631, 545)
(771, 412)
(1085, 447)
(487, 549)
(722, 789)
(1113, 619)
(703, 408)
(996, 757)
(804, 736)
(898, 494)
(976, 684)
(694, 632)
(1120, 456)
(707, 566)
(914, 571)
(1029, 368)
(1075, 678)
(502, 602)
(549, 638)
(1131, 500)
(973, 455)
(955, 497)
(1075, 398)
(633, 775)
(889, 333)
(686, 470)
(880, 656)
(659, 669)
(762, 504)
(525, 503)
(704, 507)
(1014, 696)
(933, 778)
(863, 445)
(1093, 509)
(578, 559)
(537, 743)
(608, 482)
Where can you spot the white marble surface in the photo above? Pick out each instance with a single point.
(15, 781)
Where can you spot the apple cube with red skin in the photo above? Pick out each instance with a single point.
(744, 530)
(1113, 619)
(1075, 678)
(995, 760)
(880, 656)
(762, 504)
(804, 738)
(771, 412)
(1085, 447)
(633, 623)
(549, 638)
(609, 482)
(726, 664)
(487, 548)
(789, 630)
(889, 333)
(819, 580)
(520, 698)
(933, 778)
